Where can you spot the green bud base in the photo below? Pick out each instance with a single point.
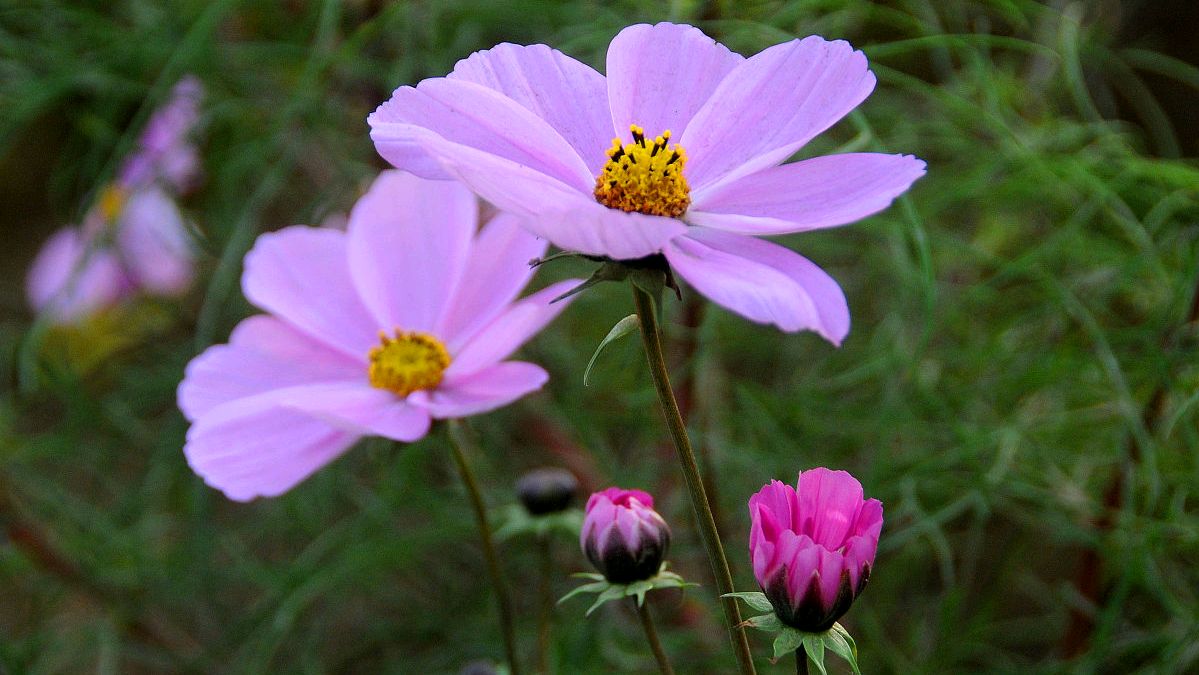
(787, 639)
(606, 591)
(515, 521)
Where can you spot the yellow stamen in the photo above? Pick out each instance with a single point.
(645, 176)
(112, 200)
(408, 362)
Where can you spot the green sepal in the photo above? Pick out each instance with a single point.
(813, 644)
(767, 622)
(841, 643)
(836, 640)
(516, 521)
(609, 271)
(787, 641)
(756, 600)
(622, 328)
(606, 591)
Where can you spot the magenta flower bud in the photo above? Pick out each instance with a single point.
(623, 536)
(813, 547)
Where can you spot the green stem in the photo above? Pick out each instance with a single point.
(546, 615)
(651, 635)
(460, 443)
(651, 338)
(801, 661)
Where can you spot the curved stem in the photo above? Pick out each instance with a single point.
(801, 661)
(546, 615)
(651, 339)
(651, 635)
(460, 443)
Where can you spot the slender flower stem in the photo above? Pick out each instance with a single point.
(651, 635)
(652, 341)
(460, 443)
(546, 612)
(801, 661)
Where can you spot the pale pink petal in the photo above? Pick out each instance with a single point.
(570, 96)
(408, 242)
(300, 274)
(481, 391)
(479, 117)
(594, 229)
(356, 407)
(508, 184)
(496, 271)
(508, 331)
(263, 354)
(761, 281)
(815, 193)
(69, 279)
(659, 76)
(154, 243)
(772, 104)
(260, 450)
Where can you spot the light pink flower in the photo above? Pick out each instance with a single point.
(531, 130)
(164, 151)
(623, 536)
(812, 548)
(70, 279)
(408, 316)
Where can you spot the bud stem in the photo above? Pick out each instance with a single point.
(460, 443)
(651, 339)
(801, 661)
(546, 615)
(651, 635)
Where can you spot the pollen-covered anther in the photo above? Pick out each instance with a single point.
(111, 201)
(644, 176)
(408, 362)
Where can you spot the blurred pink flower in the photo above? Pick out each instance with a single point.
(693, 173)
(70, 279)
(134, 238)
(623, 536)
(812, 549)
(406, 317)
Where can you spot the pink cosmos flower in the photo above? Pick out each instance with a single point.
(623, 536)
(813, 547)
(407, 316)
(693, 172)
(134, 238)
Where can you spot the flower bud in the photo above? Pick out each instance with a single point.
(623, 536)
(478, 668)
(547, 490)
(813, 547)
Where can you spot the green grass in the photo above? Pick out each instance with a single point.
(1013, 318)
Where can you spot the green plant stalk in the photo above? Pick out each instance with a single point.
(651, 338)
(460, 443)
(546, 611)
(801, 661)
(651, 636)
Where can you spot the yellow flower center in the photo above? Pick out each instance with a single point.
(645, 176)
(408, 362)
(112, 200)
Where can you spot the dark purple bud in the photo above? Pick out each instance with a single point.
(623, 536)
(547, 490)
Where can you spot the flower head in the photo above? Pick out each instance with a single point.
(813, 547)
(677, 152)
(407, 316)
(623, 536)
(547, 490)
(164, 152)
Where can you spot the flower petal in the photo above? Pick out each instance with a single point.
(659, 76)
(496, 271)
(478, 117)
(357, 407)
(829, 503)
(595, 229)
(509, 330)
(772, 104)
(260, 450)
(70, 279)
(408, 242)
(569, 95)
(814, 193)
(154, 243)
(761, 281)
(300, 274)
(263, 354)
(481, 391)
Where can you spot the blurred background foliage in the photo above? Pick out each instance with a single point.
(1019, 388)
